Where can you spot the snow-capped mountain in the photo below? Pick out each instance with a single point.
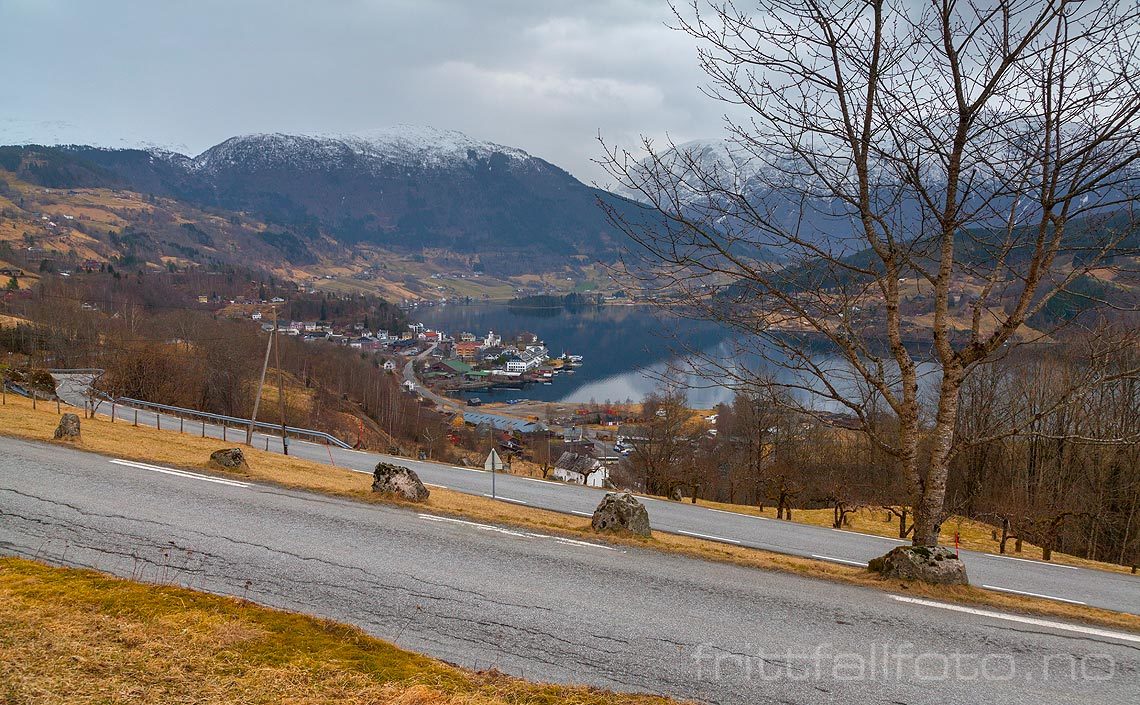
(405, 187)
(425, 146)
(683, 165)
(405, 145)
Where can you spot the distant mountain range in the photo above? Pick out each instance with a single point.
(715, 181)
(405, 189)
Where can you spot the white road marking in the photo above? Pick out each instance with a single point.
(871, 536)
(838, 560)
(707, 536)
(1034, 594)
(581, 514)
(432, 484)
(483, 527)
(505, 499)
(574, 542)
(736, 514)
(1091, 631)
(180, 473)
(509, 532)
(1029, 560)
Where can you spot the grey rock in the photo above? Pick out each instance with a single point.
(68, 428)
(676, 495)
(621, 512)
(938, 565)
(229, 458)
(398, 481)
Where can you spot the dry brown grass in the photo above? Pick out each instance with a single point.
(73, 636)
(123, 440)
(11, 321)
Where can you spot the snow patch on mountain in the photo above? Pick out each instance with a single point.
(424, 145)
(62, 133)
(403, 145)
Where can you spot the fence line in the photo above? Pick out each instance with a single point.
(224, 420)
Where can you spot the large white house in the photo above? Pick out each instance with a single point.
(527, 360)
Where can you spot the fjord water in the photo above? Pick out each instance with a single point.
(626, 349)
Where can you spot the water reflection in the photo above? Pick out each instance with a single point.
(627, 350)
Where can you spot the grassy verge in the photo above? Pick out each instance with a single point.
(77, 636)
(189, 451)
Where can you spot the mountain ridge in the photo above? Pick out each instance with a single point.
(405, 188)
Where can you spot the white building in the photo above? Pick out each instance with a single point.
(527, 360)
(581, 470)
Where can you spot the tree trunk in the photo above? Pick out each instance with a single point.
(928, 508)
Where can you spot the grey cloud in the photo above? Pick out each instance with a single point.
(544, 76)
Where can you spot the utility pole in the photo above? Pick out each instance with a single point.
(260, 384)
(280, 384)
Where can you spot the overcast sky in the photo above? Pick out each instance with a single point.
(542, 75)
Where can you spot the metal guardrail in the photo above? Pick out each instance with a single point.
(77, 371)
(205, 415)
(235, 421)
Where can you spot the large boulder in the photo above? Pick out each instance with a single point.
(68, 428)
(228, 458)
(938, 565)
(621, 512)
(399, 482)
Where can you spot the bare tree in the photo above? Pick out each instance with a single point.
(661, 459)
(906, 184)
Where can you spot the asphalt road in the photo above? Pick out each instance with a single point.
(1114, 591)
(541, 607)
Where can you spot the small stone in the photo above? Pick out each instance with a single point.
(621, 512)
(68, 428)
(398, 481)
